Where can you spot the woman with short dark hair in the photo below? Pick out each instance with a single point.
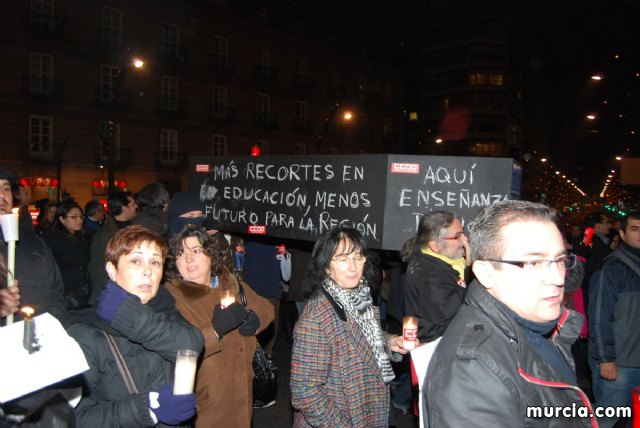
(135, 322)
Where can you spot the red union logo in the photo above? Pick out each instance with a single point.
(257, 230)
(405, 168)
(203, 167)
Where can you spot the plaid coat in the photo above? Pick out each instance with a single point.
(335, 379)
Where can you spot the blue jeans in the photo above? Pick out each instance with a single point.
(613, 393)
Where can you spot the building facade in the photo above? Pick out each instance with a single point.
(212, 82)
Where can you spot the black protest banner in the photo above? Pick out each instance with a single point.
(300, 197)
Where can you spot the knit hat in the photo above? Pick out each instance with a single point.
(182, 203)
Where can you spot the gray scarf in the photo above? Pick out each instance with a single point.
(358, 304)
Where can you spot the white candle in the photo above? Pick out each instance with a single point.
(185, 373)
(227, 297)
(29, 331)
(9, 224)
(409, 332)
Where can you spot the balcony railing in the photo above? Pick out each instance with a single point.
(302, 81)
(121, 157)
(39, 151)
(336, 91)
(42, 87)
(222, 113)
(222, 64)
(367, 97)
(172, 53)
(172, 106)
(265, 73)
(169, 159)
(105, 97)
(109, 38)
(265, 120)
(303, 125)
(43, 23)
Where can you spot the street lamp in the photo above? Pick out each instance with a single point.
(108, 127)
(347, 115)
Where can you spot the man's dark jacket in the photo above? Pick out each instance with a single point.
(485, 373)
(433, 293)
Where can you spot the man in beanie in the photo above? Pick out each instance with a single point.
(185, 208)
(39, 280)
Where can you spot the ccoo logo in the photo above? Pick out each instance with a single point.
(257, 230)
(203, 168)
(405, 168)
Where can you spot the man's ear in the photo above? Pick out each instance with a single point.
(433, 246)
(111, 271)
(485, 272)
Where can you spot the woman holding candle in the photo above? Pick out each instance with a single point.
(340, 366)
(71, 251)
(147, 330)
(198, 279)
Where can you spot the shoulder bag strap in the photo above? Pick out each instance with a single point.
(241, 293)
(122, 365)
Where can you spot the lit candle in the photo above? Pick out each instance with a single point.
(185, 372)
(9, 224)
(227, 297)
(409, 332)
(29, 334)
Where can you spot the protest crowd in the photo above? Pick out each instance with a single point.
(519, 317)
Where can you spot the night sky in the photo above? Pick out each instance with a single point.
(564, 42)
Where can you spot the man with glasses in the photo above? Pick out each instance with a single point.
(435, 281)
(614, 317)
(505, 359)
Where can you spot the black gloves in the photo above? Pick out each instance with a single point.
(250, 324)
(225, 320)
(234, 316)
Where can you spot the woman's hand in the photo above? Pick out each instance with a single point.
(396, 344)
(9, 299)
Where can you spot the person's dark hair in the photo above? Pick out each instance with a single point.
(154, 195)
(432, 227)
(42, 205)
(128, 239)
(64, 208)
(7, 174)
(486, 238)
(208, 246)
(594, 218)
(625, 220)
(324, 250)
(118, 200)
(91, 207)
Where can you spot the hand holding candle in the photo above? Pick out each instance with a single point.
(9, 224)
(410, 332)
(185, 372)
(227, 297)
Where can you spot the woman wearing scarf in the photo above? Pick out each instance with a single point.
(340, 366)
(136, 318)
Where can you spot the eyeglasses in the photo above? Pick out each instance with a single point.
(566, 262)
(453, 238)
(345, 262)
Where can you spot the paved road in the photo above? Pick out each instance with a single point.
(280, 414)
